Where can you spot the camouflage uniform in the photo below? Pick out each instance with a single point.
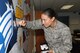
(58, 38)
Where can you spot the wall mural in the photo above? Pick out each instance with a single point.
(18, 39)
(12, 37)
(16, 42)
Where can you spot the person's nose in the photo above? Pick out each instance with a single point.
(42, 22)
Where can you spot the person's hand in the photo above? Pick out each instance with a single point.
(22, 23)
(51, 51)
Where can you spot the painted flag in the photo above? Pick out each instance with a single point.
(6, 25)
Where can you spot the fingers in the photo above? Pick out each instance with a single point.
(22, 23)
(50, 51)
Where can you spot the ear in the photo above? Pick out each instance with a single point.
(53, 18)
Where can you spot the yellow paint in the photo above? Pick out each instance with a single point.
(20, 2)
(19, 12)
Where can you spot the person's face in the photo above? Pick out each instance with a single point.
(46, 21)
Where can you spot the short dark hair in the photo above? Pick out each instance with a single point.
(50, 12)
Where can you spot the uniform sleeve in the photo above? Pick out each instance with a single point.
(36, 24)
(66, 45)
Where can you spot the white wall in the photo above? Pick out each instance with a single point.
(74, 20)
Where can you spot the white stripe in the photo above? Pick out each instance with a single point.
(6, 29)
(6, 40)
(3, 15)
(1, 46)
(8, 43)
(5, 21)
